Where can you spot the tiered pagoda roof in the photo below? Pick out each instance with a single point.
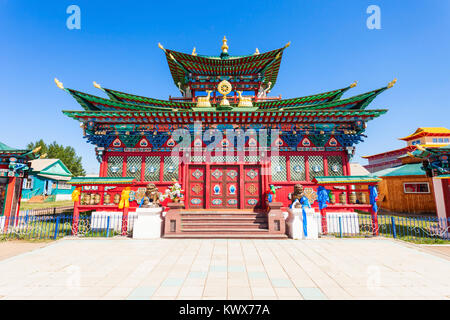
(129, 108)
(187, 68)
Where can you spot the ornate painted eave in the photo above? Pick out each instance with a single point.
(145, 101)
(225, 116)
(359, 102)
(327, 100)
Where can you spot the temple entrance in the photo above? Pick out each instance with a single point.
(224, 186)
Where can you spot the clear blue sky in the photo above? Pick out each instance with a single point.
(117, 47)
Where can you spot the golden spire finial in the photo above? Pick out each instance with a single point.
(59, 84)
(354, 84)
(224, 45)
(391, 84)
(36, 150)
(256, 51)
(194, 52)
(161, 47)
(287, 44)
(96, 85)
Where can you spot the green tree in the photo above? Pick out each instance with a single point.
(67, 155)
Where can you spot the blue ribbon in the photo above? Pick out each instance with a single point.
(323, 196)
(305, 203)
(373, 196)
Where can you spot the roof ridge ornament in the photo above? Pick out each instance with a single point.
(391, 84)
(224, 45)
(287, 44)
(59, 84)
(161, 47)
(256, 52)
(96, 85)
(194, 52)
(354, 84)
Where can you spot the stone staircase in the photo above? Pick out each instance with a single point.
(243, 224)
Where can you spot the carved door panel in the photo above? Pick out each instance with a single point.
(196, 190)
(224, 188)
(252, 187)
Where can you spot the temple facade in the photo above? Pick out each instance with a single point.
(225, 139)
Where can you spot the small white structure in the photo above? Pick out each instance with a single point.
(99, 220)
(148, 224)
(348, 224)
(295, 223)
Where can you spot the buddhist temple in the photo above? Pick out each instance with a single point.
(224, 139)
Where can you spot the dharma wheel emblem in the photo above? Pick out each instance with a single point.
(316, 168)
(224, 88)
(335, 168)
(114, 169)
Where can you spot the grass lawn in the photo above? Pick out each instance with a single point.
(30, 206)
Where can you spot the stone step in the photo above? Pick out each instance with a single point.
(223, 225)
(224, 219)
(224, 230)
(225, 236)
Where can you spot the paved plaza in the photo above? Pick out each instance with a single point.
(226, 269)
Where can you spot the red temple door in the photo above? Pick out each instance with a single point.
(224, 187)
(196, 185)
(252, 187)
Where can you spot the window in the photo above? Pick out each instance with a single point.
(114, 167)
(278, 165)
(416, 187)
(446, 140)
(170, 168)
(28, 183)
(134, 167)
(152, 168)
(434, 140)
(416, 142)
(441, 140)
(297, 168)
(335, 166)
(315, 167)
(64, 186)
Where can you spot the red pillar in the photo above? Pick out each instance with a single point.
(125, 221)
(374, 222)
(324, 221)
(76, 217)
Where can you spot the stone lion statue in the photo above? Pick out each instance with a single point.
(296, 196)
(152, 195)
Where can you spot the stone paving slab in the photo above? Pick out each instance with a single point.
(225, 269)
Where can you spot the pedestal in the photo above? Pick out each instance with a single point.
(295, 222)
(275, 218)
(148, 224)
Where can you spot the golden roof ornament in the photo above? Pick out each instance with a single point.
(203, 102)
(391, 84)
(256, 51)
(354, 84)
(161, 47)
(244, 101)
(224, 45)
(287, 44)
(194, 52)
(96, 85)
(59, 84)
